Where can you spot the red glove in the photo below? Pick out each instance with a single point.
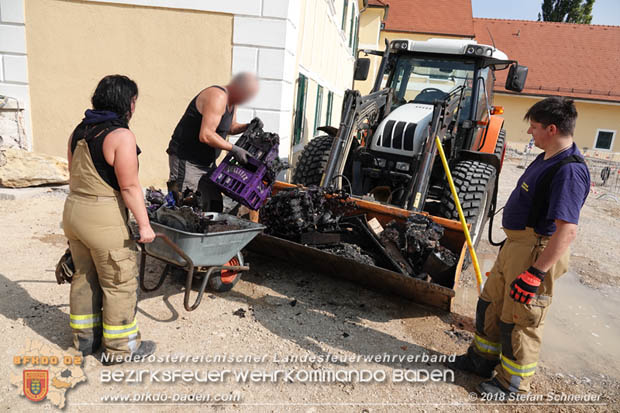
(524, 288)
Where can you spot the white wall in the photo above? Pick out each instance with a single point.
(266, 44)
(15, 128)
(266, 36)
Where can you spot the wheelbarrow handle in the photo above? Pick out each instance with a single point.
(189, 267)
(189, 264)
(203, 285)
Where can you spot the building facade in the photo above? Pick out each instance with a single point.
(577, 61)
(15, 126)
(572, 60)
(53, 52)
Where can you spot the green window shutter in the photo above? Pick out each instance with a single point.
(344, 14)
(318, 109)
(356, 36)
(351, 27)
(300, 109)
(330, 104)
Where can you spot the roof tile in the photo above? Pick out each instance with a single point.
(564, 59)
(446, 17)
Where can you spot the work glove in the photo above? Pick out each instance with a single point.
(256, 123)
(240, 154)
(65, 268)
(524, 288)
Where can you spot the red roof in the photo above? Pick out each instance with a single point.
(442, 17)
(564, 59)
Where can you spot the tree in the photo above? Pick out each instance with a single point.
(569, 11)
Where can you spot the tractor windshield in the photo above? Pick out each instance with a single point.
(424, 79)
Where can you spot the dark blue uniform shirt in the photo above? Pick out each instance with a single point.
(569, 189)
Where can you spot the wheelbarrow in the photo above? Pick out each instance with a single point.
(194, 252)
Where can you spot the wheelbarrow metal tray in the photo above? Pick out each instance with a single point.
(208, 249)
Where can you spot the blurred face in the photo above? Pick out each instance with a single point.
(543, 135)
(243, 91)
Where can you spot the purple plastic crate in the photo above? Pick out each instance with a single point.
(246, 184)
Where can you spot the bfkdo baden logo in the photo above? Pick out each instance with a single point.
(36, 384)
(44, 372)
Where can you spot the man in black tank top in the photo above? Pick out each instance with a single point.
(201, 134)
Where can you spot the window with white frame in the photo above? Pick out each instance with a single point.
(604, 139)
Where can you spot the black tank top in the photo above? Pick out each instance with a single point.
(95, 134)
(185, 142)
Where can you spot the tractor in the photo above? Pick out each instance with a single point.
(384, 150)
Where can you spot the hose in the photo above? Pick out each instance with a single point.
(346, 179)
(470, 245)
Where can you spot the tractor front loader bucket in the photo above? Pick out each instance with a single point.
(373, 277)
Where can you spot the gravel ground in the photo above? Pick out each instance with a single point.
(280, 310)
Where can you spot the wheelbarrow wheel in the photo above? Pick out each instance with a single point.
(223, 281)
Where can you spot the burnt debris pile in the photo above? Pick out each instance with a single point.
(327, 220)
(290, 213)
(264, 147)
(274, 167)
(181, 211)
(417, 241)
(250, 183)
(353, 251)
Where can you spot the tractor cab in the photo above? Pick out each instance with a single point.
(419, 73)
(385, 150)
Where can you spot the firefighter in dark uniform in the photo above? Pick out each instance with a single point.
(103, 165)
(540, 220)
(201, 134)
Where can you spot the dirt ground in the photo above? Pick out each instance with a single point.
(281, 310)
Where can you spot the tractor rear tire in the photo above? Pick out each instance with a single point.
(313, 160)
(475, 183)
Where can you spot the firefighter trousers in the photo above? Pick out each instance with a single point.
(104, 286)
(507, 331)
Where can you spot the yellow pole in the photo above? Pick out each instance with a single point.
(470, 245)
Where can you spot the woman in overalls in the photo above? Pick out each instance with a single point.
(103, 165)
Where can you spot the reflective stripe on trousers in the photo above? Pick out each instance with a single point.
(486, 346)
(84, 321)
(517, 372)
(121, 331)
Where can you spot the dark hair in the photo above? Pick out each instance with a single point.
(557, 111)
(114, 93)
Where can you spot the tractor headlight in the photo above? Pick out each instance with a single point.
(380, 162)
(403, 45)
(470, 50)
(402, 166)
(489, 52)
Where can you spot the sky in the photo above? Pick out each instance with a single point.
(604, 11)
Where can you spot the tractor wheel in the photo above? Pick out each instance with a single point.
(474, 182)
(500, 147)
(223, 281)
(313, 160)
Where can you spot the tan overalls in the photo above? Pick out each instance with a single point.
(104, 286)
(508, 331)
